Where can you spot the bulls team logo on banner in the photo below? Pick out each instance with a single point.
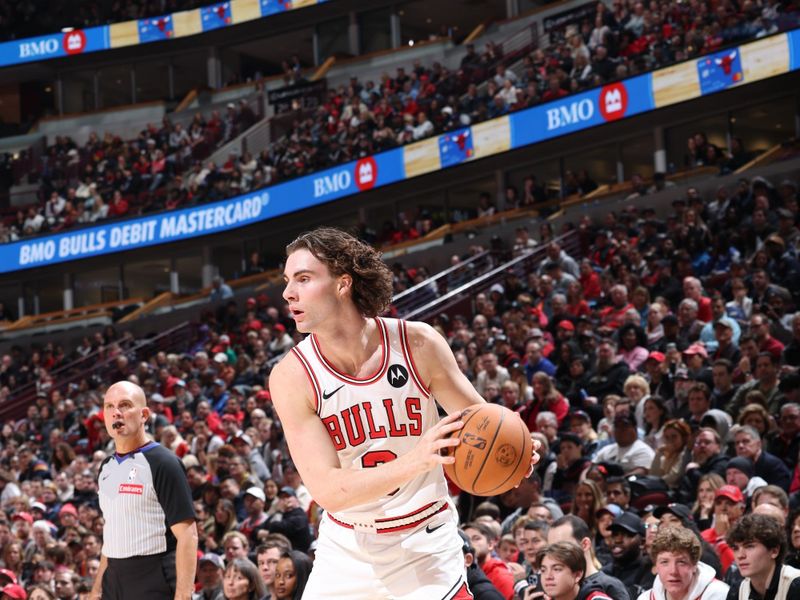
(613, 101)
(74, 42)
(397, 376)
(366, 173)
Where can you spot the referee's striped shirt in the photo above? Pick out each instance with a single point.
(142, 494)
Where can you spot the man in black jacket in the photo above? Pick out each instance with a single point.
(628, 564)
(293, 522)
(479, 584)
(707, 457)
(571, 528)
(770, 468)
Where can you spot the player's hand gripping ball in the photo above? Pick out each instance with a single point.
(495, 451)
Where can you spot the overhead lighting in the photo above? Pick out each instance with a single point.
(67, 29)
(410, 42)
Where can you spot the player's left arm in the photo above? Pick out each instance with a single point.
(185, 558)
(438, 369)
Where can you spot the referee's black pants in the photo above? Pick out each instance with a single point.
(140, 577)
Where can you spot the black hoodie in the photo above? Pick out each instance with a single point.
(480, 586)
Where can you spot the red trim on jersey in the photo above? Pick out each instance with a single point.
(410, 359)
(463, 593)
(390, 529)
(346, 378)
(311, 378)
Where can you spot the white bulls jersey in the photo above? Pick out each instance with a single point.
(376, 419)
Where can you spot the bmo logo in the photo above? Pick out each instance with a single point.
(74, 42)
(366, 173)
(613, 101)
(569, 114)
(39, 48)
(329, 184)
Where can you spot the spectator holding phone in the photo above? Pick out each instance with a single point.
(562, 568)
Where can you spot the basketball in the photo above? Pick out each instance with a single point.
(494, 453)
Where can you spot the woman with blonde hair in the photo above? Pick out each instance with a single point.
(703, 509)
(588, 501)
(673, 454)
(172, 440)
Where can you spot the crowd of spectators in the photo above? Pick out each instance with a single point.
(631, 37)
(658, 364)
(163, 168)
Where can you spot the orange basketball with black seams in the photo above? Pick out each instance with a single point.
(494, 453)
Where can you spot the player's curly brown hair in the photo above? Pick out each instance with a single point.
(344, 254)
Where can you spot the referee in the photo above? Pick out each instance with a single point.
(150, 536)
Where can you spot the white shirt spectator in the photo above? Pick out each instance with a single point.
(35, 222)
(423, 130)
(501, 376)
(508, 93)
(54, 207)
(636, 456)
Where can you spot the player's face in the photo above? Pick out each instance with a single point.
(558, 580)
(311, 291)
(234, 584)
(267, 561)
(285, 579)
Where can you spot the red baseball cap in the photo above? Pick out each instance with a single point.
(657, 356)
(12, 590)
(69, 508)
(696, 349)
(23, 516)
(566, 324)
(9, 574)
(264, 395)
(731, 492)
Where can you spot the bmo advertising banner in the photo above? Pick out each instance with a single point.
(55, 45)
(144, 31)
(188, 223)
(767, 57)
(581, 111)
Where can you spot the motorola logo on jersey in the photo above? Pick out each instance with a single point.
(397, 376)
(613, 101)
(366, 173)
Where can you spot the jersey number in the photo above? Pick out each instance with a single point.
(378, 457)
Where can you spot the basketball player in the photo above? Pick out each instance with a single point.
(356, 399)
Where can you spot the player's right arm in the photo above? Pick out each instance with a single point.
(97, 587)
(333, 487)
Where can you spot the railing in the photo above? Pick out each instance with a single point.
(520, 265)
(452, 277)
(99, 364)
(105, 309)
